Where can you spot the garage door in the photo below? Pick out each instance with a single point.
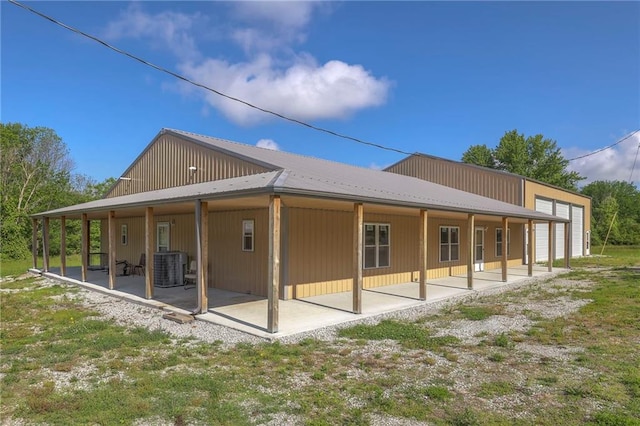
(542, 231)
(577, 225)
(562, 210)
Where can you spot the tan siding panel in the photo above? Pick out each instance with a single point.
(231, 268)
(488, 183)
(320, 251)
(165, 164)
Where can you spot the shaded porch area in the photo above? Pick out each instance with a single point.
(248, 313)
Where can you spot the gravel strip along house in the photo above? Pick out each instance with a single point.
(280, 226)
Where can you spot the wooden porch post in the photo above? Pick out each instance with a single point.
(423, 254)
(530, 248)
(204, 261)
(85, 246)
(552, 244)
(567, 244)
(505, 247)
(63, 246)
(358, 220)
(45, 244)
(149, 244)
(274, 263)
(471, 250)
(34, 242)
(112, 249)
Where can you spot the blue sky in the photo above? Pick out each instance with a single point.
(433, 77)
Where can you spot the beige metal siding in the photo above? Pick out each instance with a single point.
(165, 164)
(181, 236)
(485, 182)
(404, 251)
(231, 268)
(320, 252)
(534, 190)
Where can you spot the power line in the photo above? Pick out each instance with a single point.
(634, 164)
(187, 80)
(248, 104)
(601, 149)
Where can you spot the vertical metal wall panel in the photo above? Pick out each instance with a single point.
(542, 231)
(577, 231)
(534, 190)
(166, 163)
(481, 181)
(562, 210)
(319, 251)
(232, 268)
(405, 240)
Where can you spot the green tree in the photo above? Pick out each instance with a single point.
(534, 157)
(35, 169)
(607, 198)
(36, 175)
(480, 155)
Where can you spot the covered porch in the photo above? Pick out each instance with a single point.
(245, 312)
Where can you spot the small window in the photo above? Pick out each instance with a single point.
(247, 235)
(163, 236)
(449, 243)
(499, 242)
(124, 234)
(377, 245)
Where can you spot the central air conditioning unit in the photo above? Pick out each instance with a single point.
(168, 268)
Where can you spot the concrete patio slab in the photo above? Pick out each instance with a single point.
(248, 313)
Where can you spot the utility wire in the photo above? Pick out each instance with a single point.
(601, 149)
(187, 80)
(250, 105)
(634, 163)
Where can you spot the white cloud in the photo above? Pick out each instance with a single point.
(166, 29)
(274, 24)
(268, 144)
(376, 166)
(612, 164)
(272, 77)
(305, 90)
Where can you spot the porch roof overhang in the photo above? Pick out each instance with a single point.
(389, 190)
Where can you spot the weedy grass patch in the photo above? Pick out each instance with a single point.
(410, 335)
(128, 375)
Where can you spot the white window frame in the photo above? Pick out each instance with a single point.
(124, 234)
(248, 234)
(166, 247)
(449, 243)
(499, 254)
(377, 245)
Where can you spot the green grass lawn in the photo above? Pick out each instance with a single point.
(64, 365)
(14, 268)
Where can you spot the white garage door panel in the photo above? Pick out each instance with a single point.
(577, 225)
(542, 231)
(562, 210)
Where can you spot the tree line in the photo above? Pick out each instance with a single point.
(36, 174)
(615, 205)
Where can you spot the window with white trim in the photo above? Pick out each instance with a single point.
(499, 243)
(449, 243)
(377, 245)
(124, 234)
(247, 234)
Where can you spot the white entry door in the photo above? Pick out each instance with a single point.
(479, 249)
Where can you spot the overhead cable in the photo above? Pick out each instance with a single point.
(187, 80)
(241, 101)
(606, 147)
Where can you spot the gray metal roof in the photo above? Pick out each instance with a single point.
(302, 175)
